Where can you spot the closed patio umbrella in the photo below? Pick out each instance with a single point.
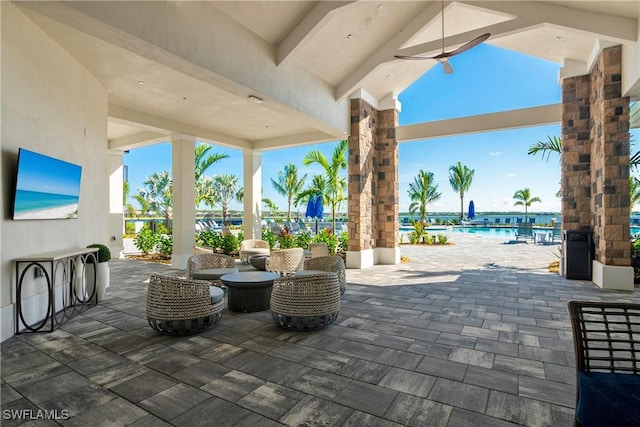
(315, 209)
(472, 210)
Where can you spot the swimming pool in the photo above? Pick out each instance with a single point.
(495, 232)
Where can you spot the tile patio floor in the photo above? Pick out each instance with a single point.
(474, 334)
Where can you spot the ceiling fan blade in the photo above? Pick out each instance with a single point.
(471, 44)
(446, 66)
(412, 57)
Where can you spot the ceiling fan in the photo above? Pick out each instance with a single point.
(443, 57)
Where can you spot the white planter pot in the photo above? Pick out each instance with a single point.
(102, 277)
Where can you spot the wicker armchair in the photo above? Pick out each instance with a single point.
(199, 262)
(251, 247)
(607, 348)
(178, 306)
(318, 249)
(285, 261)
(305, 302)
(333, 263)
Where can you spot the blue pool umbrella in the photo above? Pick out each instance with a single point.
(315, 209)
(472, 211)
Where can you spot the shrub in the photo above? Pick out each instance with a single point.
(343, 243)
(129, 229)
(162, 229)
(104, 254)
(286, 240)
(414, 238)
(428, 239)
(229, 244)
(165, 245)
(269, 237)
(442, 239)
(303, 239)
(209, 239)
(146, 240)
(325, 235)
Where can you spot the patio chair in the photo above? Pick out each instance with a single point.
(607, 348)
(524, 231)
(305, 302)
(177, 306)
(318, 249)
(209, 261)
(333, 263)
(252, 247)
(285, 261)
(507, 221)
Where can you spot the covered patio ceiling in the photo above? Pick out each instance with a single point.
(199, 67)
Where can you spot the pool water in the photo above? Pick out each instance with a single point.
(496, 232)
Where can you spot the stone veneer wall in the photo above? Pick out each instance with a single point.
(373, 178)
(595, 158)
(610, 160)
(388, 187)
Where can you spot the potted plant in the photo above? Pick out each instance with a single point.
(102, 272)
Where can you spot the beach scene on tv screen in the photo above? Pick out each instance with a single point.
(46, 188)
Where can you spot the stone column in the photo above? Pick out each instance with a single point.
(373, 187)
(252, 183)
(387, 197)
(610, 167)
(361, 185)
(576, 154)
(595, 166)
(184, 201)
(116, 208)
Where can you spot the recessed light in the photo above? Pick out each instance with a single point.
(255, 99)
(558, 37)
(348, 36)
(140, 82)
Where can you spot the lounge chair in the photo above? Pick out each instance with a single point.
(497, 221)
(518, 220)
(532, 220)
(507, 221)
(524, 231)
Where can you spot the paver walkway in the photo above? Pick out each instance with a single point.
(476, 333)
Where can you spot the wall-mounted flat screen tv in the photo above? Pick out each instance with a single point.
(46, 188)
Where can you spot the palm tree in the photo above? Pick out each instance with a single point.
(524, 198)
(226, 189)
(335, 184)
(204, 192)
(270, 205)
(159, 193)
(422, 191)
(553, 144)
(204, 160)
(460, 178)
(288, 184)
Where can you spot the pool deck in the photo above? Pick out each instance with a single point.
(472, 333)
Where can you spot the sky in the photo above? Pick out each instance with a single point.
(486, 79)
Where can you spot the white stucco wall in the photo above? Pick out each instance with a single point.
(49, 104)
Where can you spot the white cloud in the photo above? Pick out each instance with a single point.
(495, 153)
(509, 175)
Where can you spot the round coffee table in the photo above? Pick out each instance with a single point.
(212, 274)
(259, 261)
(249, 291)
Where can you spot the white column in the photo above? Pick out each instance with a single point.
(116, 208)
(252, 182)
(184, 201)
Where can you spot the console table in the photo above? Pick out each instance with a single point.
(64, 268)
